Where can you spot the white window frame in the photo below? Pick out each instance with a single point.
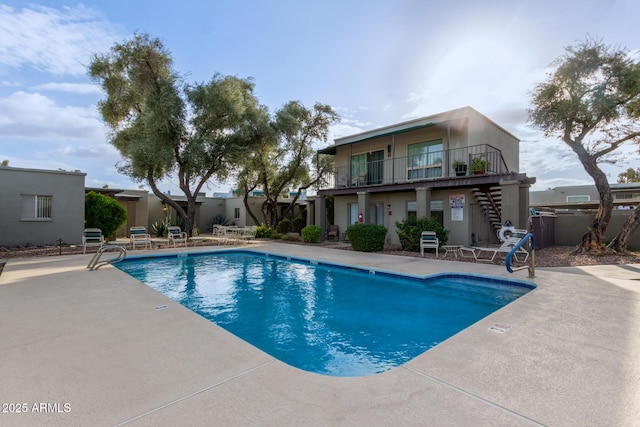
(354, 210)
(583, 198)
(412, 208)
(626, 196)
(36, 207)
(376, 213)
(427, 163)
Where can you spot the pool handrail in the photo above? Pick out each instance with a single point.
(95, 262)
(532, 267)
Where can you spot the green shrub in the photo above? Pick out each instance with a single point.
(410, 229)
(160, 228)
(311, 234)
(298, 224)
(264, 232)
(103, 212)
(284, 226)
(367, 237)
(290, 238)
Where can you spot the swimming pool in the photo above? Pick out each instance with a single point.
(324, 318)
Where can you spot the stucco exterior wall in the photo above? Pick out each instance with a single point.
(399, 143)
(483, 131)
(67, 207)
(210, 207)
(395, 209)
(571, 226)
(244, 218)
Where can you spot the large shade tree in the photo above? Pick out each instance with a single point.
(285, 156)
(163, 127)
(590, 101)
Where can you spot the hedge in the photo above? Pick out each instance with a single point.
(367, 237)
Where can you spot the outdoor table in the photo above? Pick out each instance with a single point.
(455, 249)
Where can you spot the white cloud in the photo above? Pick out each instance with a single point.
(32, 116)
(97, 151)
(78, 88)
(344, 129)
(56, 41)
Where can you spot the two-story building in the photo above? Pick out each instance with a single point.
(458, 166)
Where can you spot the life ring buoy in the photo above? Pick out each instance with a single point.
(503, 231)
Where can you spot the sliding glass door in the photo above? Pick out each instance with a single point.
(367, 168)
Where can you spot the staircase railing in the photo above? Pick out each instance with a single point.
(95, 262)
(532, 267)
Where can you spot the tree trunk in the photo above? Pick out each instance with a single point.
(619, 243)
(593, 240)
(245, 201)
(268, 212)
(166, 199)
(190, 223)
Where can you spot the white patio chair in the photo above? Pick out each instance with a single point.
(429, 240)
(92, 237)
(176, 235)
(139, 236)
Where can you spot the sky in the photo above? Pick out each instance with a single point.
(374, 62)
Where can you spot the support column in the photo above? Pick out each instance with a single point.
(363, 206)
(524, 205)
(510, 209)
(423, 202)
(320, 215)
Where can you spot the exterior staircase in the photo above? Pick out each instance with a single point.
(490, 199)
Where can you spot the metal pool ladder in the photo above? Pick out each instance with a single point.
(96, 263)
(532, 267)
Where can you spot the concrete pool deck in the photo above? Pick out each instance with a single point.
(82, 347)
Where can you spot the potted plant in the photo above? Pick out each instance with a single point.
(460, 167)
(479, 165)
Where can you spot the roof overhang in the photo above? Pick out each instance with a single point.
(434, 120)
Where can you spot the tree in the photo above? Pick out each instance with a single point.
(619, 243)
(591, 101)
(284, 156)
(162, 127)
(630, 175)
(103, 212)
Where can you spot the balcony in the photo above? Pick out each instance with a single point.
(423, 167)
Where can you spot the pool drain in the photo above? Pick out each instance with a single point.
(160, 307)
(499, 328)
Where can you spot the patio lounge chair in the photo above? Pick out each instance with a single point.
(92, 237)
(139, 236)
(249, 233)
(429, 240)
(176, 235)
(477, 252)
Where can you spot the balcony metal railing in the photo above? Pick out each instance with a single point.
(477, 159)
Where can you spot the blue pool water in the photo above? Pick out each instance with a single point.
(321, 318)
